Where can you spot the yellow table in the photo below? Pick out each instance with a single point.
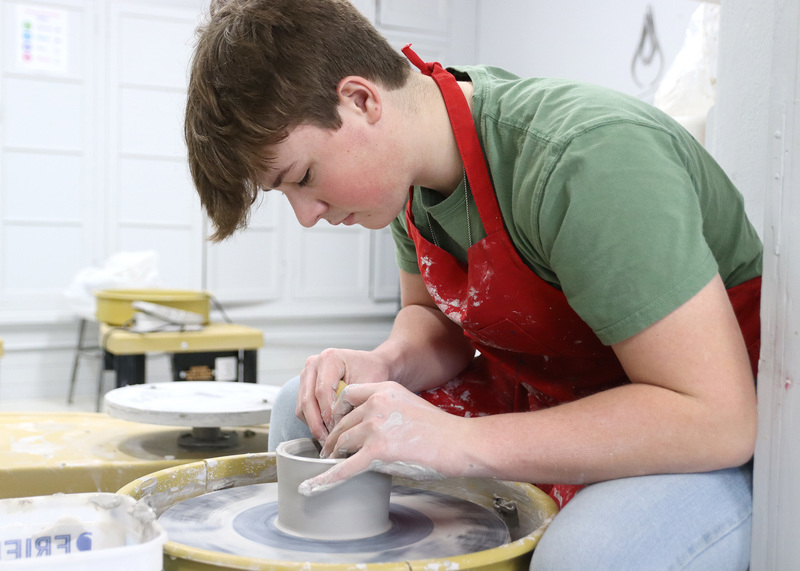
(193, 353)
(213, 337)
(45, 453)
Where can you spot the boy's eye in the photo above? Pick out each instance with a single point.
(305, 178)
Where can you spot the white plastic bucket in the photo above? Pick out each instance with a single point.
(86, 532)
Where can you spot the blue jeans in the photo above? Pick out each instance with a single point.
(283, 424)
(686, 522)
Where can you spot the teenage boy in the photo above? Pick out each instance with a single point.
(588, 248)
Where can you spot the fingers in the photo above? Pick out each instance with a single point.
(336, 411)
(362, 411)
(307, 408)
(343, 404)
(379, 427)
(327, 373)
(343, 439)
(319, 381)
(323, 378)
(351, 396)
(333, 477)
(410, 470)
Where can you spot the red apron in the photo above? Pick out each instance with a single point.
(535, 351)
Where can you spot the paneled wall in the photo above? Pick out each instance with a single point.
(151, 203)
(92, 163)
(50, 220)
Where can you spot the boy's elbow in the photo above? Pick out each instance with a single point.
(738, 437)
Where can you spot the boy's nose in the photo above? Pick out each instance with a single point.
(308, 211)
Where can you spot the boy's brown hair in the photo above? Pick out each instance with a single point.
(261, 68)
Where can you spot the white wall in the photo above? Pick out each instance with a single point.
(740, 119)
(578, 39)
(758, 120)
(104, 170)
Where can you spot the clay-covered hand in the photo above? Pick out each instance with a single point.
(386, 428)
(320, 378)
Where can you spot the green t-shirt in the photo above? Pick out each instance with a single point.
(603, 196)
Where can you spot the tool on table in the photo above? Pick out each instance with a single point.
(148, 315)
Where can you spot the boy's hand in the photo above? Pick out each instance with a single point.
(321, 377)
(386, 428)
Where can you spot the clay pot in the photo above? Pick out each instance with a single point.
(355, 509)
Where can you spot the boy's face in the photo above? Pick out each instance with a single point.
(341, 176)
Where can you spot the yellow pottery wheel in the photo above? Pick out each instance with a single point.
(114, 306)
(75, 452)
(161, 490)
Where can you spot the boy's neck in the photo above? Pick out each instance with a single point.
(438, 163)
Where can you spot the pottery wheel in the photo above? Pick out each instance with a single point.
(203, 405)
(424, 525)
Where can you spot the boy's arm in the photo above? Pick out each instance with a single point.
(424, 350)
(690, 407)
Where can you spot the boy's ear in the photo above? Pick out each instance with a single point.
(361, 96)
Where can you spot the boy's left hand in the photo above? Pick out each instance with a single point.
(386, 428)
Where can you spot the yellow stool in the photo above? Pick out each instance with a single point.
(193, 353)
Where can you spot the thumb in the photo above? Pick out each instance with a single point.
(332, 477)
(349, 397)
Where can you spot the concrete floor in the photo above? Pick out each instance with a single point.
(82, 403)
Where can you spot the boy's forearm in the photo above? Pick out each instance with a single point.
(691, 406)
(425, 349)
(626, 431)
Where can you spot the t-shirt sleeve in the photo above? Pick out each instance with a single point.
(621, 227)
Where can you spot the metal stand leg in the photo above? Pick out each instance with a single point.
(250, 366)
(82, 350)
(78, 350)
(130, 369)
(106, 364)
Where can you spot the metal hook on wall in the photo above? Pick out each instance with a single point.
(648, 51)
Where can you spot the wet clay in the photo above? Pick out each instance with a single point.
(363, 520)
(356, 509)
(424, 524)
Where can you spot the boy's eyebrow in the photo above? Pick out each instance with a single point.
(281, 174)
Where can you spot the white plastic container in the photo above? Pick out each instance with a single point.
(86, 532)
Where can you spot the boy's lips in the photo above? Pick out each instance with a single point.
(348, 220)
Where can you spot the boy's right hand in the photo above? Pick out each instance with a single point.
(320, 378)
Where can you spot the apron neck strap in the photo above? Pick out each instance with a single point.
(469, 146)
